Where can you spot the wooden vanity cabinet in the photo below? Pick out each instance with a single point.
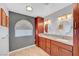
(66, 50)
(60, 49)
(55, 48)
(39, 28)
(76, 29)
(44, 43)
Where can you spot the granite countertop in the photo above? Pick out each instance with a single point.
(63, 39)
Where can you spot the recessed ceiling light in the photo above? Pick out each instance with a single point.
(28, 8)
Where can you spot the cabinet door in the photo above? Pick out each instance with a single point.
(54, 50)
(43, 44)
(40, 42)
(64, 52)
(47, 43)
(37, 40)
(4, 21)
(39, 24)
(39, 28)
(47, 46)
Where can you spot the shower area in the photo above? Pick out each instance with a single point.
(21, 31)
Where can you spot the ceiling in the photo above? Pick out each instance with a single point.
(39, 9)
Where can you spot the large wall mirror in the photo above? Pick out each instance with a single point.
(23, 28)
(65, 24)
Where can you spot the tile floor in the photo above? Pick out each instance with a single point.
(32, 51)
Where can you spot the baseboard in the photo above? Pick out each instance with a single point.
(22, 48)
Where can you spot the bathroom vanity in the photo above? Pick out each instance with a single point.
(56, 46)
(61, 46)
(53, 44)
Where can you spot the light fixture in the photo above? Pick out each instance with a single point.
(28, 8)
(69, 16)
(64, 17)
(59, 18)
(47, 22)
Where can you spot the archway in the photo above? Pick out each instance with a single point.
(23, 28)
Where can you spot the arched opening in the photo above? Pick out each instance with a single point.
(23, 28)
